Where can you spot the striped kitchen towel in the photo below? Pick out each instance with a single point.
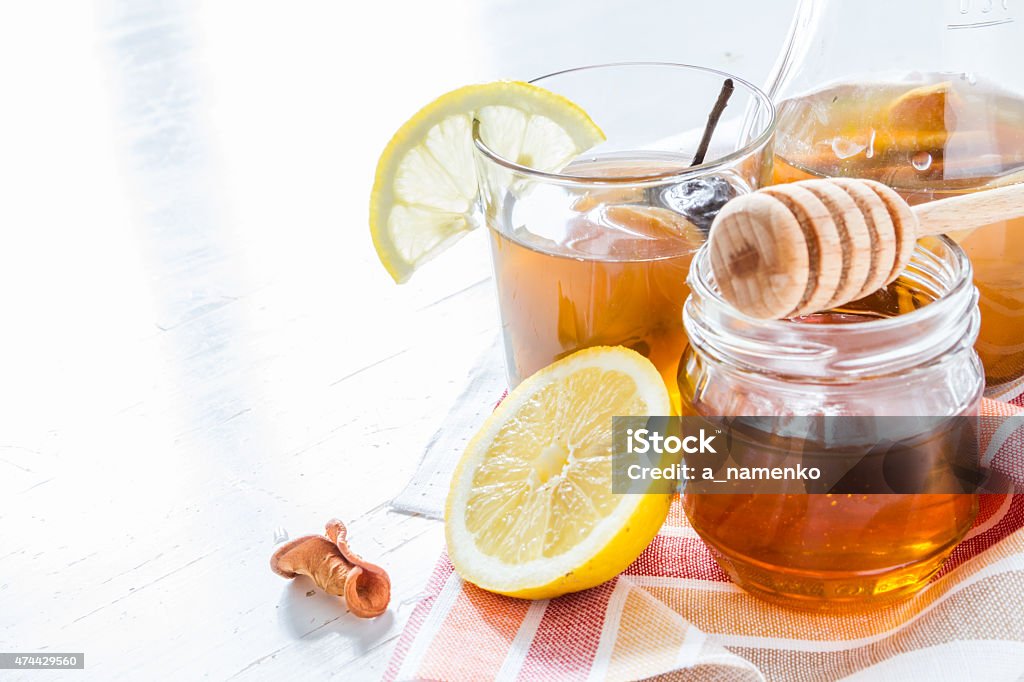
(674, 614)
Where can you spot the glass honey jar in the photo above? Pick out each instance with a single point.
(905, 352)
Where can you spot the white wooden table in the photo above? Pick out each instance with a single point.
(198, 343)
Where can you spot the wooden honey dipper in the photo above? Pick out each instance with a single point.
(792, 250)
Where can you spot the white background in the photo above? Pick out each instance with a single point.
(198, 344)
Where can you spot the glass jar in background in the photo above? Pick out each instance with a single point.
(906, 350)
(598, 253)
(924, 96)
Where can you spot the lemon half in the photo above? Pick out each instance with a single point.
(531, 512)
(425, 189)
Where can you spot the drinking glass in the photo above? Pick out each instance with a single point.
(598, 252)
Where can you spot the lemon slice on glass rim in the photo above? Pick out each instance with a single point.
(425, 189)
(531, 511)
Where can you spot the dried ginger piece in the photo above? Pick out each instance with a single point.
(336, 570)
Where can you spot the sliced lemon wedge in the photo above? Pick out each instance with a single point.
(531, 511)
(425, 189)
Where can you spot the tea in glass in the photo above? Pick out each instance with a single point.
(601, 274)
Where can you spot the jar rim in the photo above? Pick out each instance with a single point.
(737, 338)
